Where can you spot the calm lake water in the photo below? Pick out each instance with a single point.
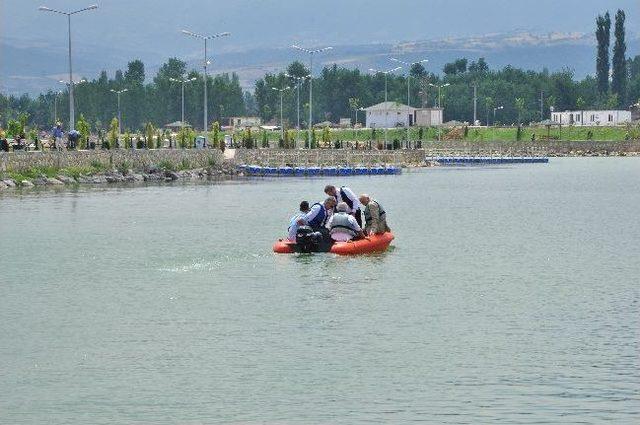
(512, 296)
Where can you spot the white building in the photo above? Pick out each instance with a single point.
(394, 114)
(244, 122)
(428, 117)
(591, 118)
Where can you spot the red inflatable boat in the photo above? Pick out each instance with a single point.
(368, 245)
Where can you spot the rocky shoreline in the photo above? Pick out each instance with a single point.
(151, 175)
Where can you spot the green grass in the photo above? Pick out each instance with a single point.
(501, 134)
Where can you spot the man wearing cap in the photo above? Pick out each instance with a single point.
(375, 217)
(346, 195)
(343, 226)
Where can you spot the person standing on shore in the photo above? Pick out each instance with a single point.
(57, 135)
(346, 195)
(374, 215)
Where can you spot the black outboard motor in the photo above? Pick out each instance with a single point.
(307, 240)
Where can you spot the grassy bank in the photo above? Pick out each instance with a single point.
(501, 134)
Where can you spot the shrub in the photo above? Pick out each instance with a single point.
(166, 165)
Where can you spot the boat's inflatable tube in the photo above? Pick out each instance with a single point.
(368, 245)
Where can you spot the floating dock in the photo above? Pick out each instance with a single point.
(286, 171)
(486, 160)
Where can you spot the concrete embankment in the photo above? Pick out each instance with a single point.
(28, 169)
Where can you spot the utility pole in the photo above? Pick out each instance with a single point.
(311, 53)
(118, 93)
(541, 105)
(475, 102)
(282, 90)
(72, 112)
(386, 98)
(206, 62)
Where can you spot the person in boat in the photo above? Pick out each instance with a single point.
(293, 223)
(346, 195)
(343, 226)
(318, 215)
(375, 216)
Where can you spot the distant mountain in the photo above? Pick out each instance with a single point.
(34, 67)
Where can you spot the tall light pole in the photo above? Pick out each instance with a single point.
(282, 90)
(183, 82)
(299, 81)
(72, 114)
(55, 107)
(386, 98)
(75, 83)
(499, 108)
(118, 93)
(206, 38)
(311, 53)
(409, 65)
(439, 87)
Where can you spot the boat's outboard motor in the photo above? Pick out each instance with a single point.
(307, 240)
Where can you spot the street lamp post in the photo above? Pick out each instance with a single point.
(499, 108)
(72, 116)
(409, 65)
(386, 98)
(118, 93)
(311, 53)
(282, 90)
(440, 87)
(299, 81)
(206, 38)
(182, 82)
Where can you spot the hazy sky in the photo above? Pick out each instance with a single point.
(151, 27)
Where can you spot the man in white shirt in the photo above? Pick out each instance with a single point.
(342, 226)
(346, 195)
(293, 223)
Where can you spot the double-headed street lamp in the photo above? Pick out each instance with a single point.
(499, 108)
(409, 65)
(282, 90)
(206, 38)
(299, 81)
(183, 82)
(72, 115)
(118, 93)
(440, 87)
(386, 97)
(311, 53)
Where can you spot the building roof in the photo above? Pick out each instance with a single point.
(176, 124)
(390, 106)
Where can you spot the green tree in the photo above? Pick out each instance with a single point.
(580, 104)
(215, 134)
(149, 132)
(603, 37)
(113, 134)
(620, 72)
(84, 129)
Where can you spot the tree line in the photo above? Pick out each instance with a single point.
(520, 96)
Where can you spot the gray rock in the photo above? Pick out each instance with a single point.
(40, 181)
(66, 179)
(172, 175)
(54, 182)
(138, 177)
(3, 185)
(85, 180)
(168, 179)
(99, 180)
(26, 183)
(9, 182)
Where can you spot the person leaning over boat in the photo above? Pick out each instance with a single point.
(375, 216)
(318, 215)
(293, 223)
(346, 195)
(343, 226)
